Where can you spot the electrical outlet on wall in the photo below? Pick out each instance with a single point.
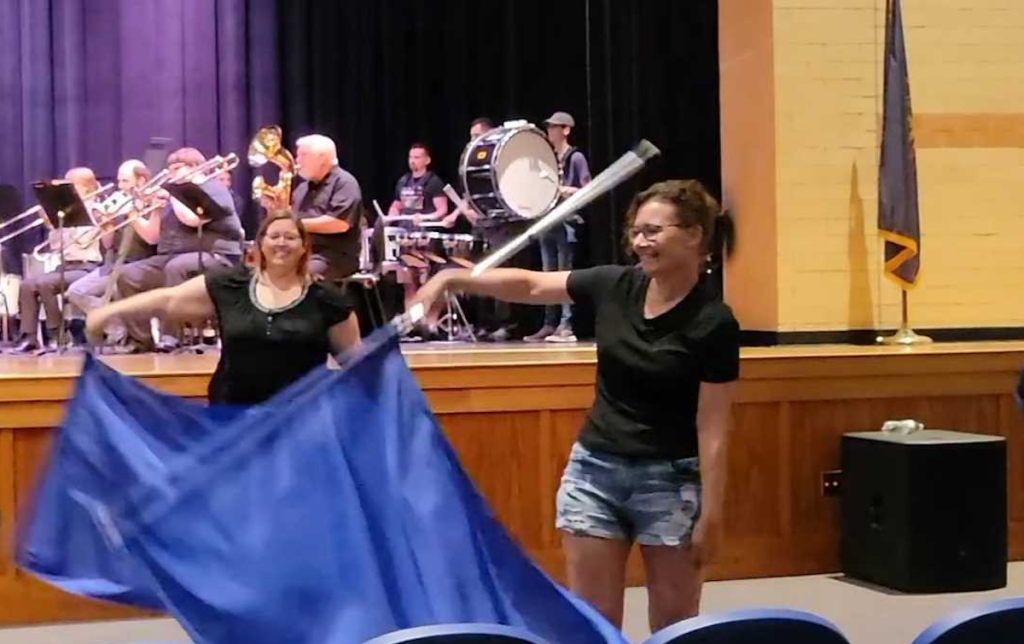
(831, 482)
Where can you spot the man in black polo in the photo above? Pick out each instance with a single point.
(330, 204)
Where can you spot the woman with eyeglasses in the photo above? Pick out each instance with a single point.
(667, 349)
(276, 322)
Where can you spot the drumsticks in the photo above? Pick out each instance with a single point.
(627, 165)
(460, 203)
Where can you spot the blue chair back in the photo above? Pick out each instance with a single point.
(753, 626)
(459, 634)
(998, 622)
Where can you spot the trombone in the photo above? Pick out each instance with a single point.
(141, 207)
(148, 198)
(40, 217)
(216, 166)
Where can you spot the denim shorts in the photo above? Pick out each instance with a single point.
(653, 502)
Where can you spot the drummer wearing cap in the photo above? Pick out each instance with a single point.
(558, 244)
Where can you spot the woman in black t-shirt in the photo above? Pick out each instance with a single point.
(276, 322)
(667, 347)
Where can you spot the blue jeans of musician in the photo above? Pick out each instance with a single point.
(556, 253)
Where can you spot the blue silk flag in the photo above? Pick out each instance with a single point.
(334, 513)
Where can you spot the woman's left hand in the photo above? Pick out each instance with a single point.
(707, 536)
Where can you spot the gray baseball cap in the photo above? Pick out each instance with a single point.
(560, 118)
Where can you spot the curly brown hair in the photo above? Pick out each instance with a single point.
(694, 206)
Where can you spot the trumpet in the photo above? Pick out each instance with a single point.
(40, 217)
(266, 148)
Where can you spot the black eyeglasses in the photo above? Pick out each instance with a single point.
(651, 232)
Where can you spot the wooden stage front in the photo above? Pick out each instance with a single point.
(512, 413)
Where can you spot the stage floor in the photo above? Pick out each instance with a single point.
(444, 354)
(429, 354)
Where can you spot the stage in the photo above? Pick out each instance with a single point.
(512, 411)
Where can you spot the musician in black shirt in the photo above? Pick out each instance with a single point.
(419, 194)
(186, 244)
(330, 203)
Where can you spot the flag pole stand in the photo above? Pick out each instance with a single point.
(905, 336)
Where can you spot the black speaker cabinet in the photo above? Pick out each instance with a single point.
(925, 512)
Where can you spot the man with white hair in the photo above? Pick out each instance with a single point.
(330, 204)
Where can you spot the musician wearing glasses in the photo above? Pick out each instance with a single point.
(88, 293)
(330, 204)
(78, 262)
(186, 244)
(649, 464)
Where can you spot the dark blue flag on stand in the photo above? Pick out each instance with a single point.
(334, 513)
(898, 218)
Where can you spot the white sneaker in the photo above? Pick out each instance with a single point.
(563, 334)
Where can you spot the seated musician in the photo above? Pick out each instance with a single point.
(78, 262)
(90, 292)
(419, 198)
(186, 245)
(330, 204)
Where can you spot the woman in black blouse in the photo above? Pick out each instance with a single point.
(667, 349)
(276, 322)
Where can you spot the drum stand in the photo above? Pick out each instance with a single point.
(454, 322)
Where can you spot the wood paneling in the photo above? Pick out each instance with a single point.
(6, 503)
(513, 421)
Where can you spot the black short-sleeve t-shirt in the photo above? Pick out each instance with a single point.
(265, 350)
(649, 371)
(415, 195)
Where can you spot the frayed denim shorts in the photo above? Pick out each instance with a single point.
(653, 502)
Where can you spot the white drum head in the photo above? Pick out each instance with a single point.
(527, 172)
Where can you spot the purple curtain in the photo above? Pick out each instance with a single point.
(86, 82)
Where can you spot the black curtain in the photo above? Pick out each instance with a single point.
(377, 75)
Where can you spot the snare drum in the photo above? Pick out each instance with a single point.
(365, 248)
(430, 244)
(462, 249)
(393, 237)
(511, 172)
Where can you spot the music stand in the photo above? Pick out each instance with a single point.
(63, 208)
(193, 197)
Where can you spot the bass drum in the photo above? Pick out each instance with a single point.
(510, 172)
